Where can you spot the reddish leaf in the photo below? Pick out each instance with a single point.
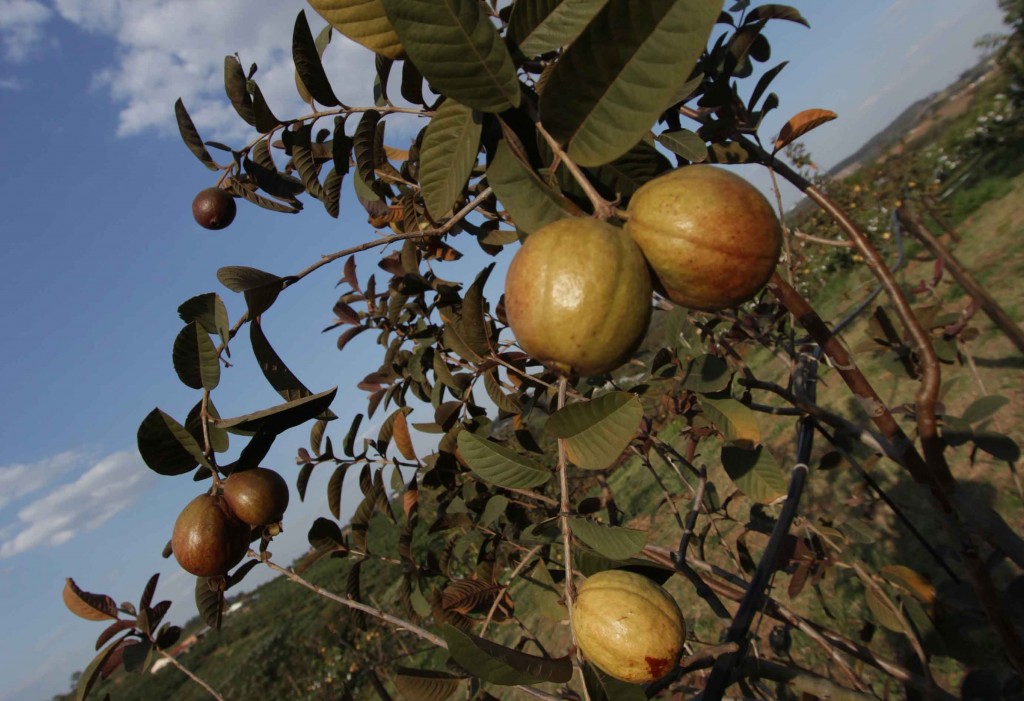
(802, 123)
(401, 436)
(91, 607)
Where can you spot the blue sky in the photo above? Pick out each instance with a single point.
(100, 248)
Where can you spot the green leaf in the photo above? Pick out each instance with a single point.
(707, 373)
(685, 143)
(364, 143)
(499, 465)
(773, 11)
(307, 168)
(425, 685)
(266, 120)
(90, 674)
(306, 55)
(334, 486)
(190, 135)
(984, 407)
(634, 56)
(883, 611)
(736, 421)
(136, 656)
(194, 425)
(997, 445)
(274, 369)
(280, 418)
(209, 603)
(540, 26)
(458, 50)
(601, 687)
(236, 85)
(362, 21)
(505, 402)
(498, 664)
(240, 278)
(166, 446)
(209, 310)
(530, 203)
(755, 473)
(613, 542)
(596, 432)
(495, 507)
(195, 358)
(447, 156)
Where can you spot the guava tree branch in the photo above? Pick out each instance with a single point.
(187, 672)
(399, 623)
(376, 243)
(910, 221)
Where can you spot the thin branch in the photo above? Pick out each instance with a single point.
(511, 578)
(825, 242)
(603, 209)
(188, 673)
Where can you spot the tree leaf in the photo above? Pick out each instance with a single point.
(498, 664)
(191, 137)
(458, 50)
(800, 124)
(449, 151)
(236, 85)
(91, 607)
(209, 603)
(306, 166)
(209, 310)
(614, 542)
(634, 55)
(88, 678)
(773, 11)
(425, 685)
(685, 143)
(325, 534)
(166, 446)
(530, 203)
(754, 472)
(540, 26)
(601, 687)
(265, 120)
(707, 373)
(984, 407)
(306, 55)
(277, 373)
(281, 417)
(240, 278)
(334, 486)
(736, 421)
(195, 358)
(364, 142)
(400, 431)
(596, 432)
(499, 465)
(505, 402)
(362, 21)
(136, 655)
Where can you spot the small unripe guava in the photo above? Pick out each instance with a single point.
(257, 497)
(214, 208)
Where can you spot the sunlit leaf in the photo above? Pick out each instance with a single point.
(448, 154)
(774, 11)
(529, 201)
(499, 465)
(655, 43)
(800, 124)
(364, 22)
(754, 472)
(736, 421)
(596, 432)
(615, 542)
(539, 26)
(984, 407)
(458, 50)
(91, 607)
(685, 143)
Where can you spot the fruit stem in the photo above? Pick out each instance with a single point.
(603, 209)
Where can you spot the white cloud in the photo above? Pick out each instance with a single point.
(17, 481)
(176, 48)
(21, 27)
(11, 84)
(108, 487)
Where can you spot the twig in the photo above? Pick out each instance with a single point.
(511, 578)
(691, 518)
(188, 673)
(826, 242)
(602, 208)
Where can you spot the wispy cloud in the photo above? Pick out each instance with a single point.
(108, 487)
(17, 481)
(21, 27)
(175, 48)
(11, 84)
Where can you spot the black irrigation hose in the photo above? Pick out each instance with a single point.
(723, 671)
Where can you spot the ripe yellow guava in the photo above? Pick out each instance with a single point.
(711, 237)
(628, 626)
(578, 296)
